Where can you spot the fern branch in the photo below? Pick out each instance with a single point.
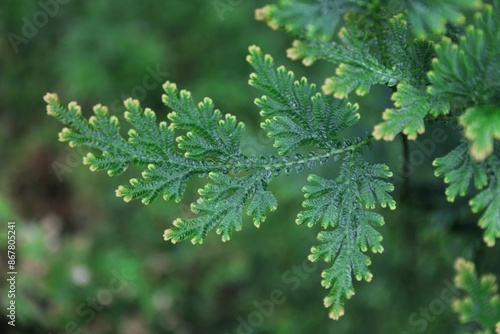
(459, 170)
(342, 205)
(482, 303)
(466, 71)
(295, 113)
(210, 145)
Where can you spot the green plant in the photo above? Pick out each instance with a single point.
(440, 67)
(482, 305)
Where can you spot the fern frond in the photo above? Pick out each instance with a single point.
(222, 204)
(459, 170)
(149, 146)
(295, 112)
(467, 73)
(342, 205)
(428, 16)
(411, 106)
(100, 132)
(209, 134)
(395, 62)
(482, 128)
(312, 20)
(358, 69)
(411, 101)
(211, 147)
(489, 201)
(482, 303)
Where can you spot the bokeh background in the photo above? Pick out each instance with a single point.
(90, 263)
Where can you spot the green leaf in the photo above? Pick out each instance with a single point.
(411, 106)
(482, 303)
(467, 73)
(482, 127)
(168, 181)
(313, 19)
(394, 45)
(295, 113)
(341, 205)
(222, 205)
(489, 201)
(150, 146)
(209, 134)
(100, 132)
(358, 69)
(432, 16)
(459, 170)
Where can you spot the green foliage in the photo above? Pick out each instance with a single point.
(310, 18)
(295, 115)
(420, 50)
(411, 106)
(393, 62)
(462, 73)
(313, 19)
(428, 78)
(467, 74)
(459, 170)
(358, 69)
(341, 205)
(222, 204)
(432, 16)
(482, 126)
(482, 303)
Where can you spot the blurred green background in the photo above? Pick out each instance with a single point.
(89, 263)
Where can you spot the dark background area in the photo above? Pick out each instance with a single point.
(90, 263)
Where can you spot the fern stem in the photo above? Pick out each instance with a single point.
(299, 161)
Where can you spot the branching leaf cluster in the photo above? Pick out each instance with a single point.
(459, 170)
(481, 304)
(425, 51)
(198, 141)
